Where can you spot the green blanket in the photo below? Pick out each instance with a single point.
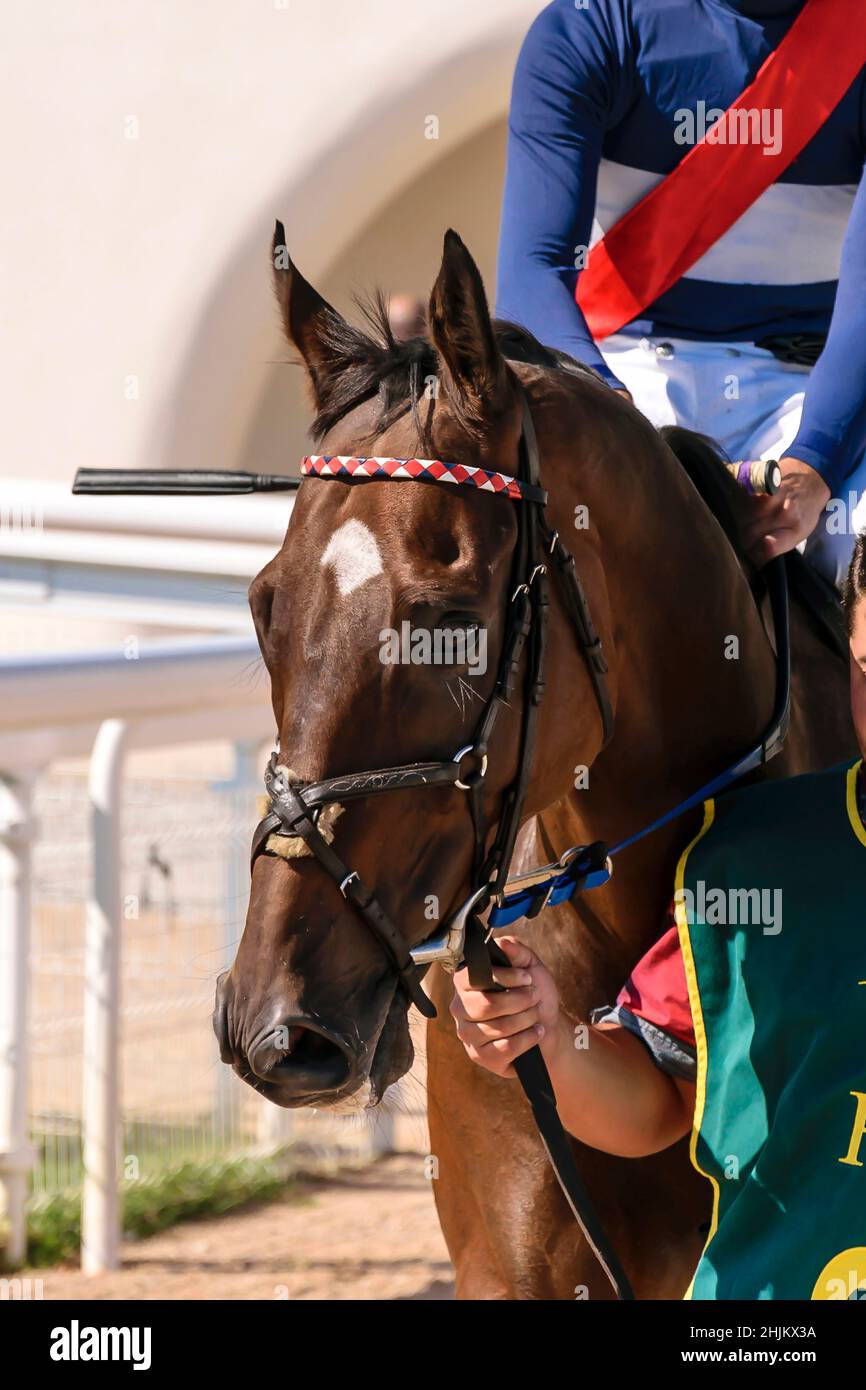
(771, 912)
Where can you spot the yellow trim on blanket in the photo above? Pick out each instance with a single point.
(697, 1018)
(851, 800)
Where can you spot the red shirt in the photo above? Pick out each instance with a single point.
(654, 1005)
(656, 989)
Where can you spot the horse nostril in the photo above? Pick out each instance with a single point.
(300, 1058)
(303, 1046)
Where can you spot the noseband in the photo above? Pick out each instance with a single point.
(294, 806)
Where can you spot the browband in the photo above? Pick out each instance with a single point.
(425, 470)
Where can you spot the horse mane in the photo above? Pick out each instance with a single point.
(703, 460)
(369, 361)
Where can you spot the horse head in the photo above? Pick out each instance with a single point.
(381, 623)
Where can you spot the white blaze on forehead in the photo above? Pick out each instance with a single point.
(354, 555)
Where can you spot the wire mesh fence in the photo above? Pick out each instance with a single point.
(184, 888)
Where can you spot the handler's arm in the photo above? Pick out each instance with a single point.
(612, 1096)
(609, 1092)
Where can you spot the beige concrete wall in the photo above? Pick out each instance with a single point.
(399, 249)
(153, 143)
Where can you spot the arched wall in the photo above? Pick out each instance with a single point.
(152, 147)
(399, 249)
(372, 212)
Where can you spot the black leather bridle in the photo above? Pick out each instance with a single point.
(464, 939)
(294, 806)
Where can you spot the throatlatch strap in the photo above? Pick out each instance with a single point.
(480, 951)
(578, 611)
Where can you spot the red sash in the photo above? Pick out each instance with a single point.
(658, 239)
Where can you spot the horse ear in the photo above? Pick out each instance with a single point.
(461, 328)
(306, 316)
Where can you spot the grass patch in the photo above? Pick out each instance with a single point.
(192, 1188)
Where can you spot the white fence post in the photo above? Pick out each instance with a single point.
(100, 1198)
(239, 794)
(276, 1127)
(16, 1156)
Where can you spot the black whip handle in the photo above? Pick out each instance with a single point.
(158, 482)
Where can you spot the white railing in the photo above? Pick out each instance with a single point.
(58, 705)
(39, 508)
(164, 563)
(172, 561)
(159, 1037)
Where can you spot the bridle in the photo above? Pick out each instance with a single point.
(295, 806)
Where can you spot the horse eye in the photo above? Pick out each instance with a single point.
(467, 620)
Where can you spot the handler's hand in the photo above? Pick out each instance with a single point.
(780, 523)
(495, 1027)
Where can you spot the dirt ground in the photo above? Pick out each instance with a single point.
(364, 1234)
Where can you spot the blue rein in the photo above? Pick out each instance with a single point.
(589, 866)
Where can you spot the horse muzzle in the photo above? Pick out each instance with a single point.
(294, 1060)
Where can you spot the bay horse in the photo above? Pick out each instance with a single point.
(311, 1012)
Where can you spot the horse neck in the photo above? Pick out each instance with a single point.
(673, 597)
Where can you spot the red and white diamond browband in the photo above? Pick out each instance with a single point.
(429, 470)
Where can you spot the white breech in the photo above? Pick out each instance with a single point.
(750, 403)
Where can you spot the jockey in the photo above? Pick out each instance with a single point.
(745, 1023)
(760, 342)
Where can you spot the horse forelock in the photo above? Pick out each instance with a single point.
(369, 361)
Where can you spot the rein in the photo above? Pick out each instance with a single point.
(465, 939)
(590, 866)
